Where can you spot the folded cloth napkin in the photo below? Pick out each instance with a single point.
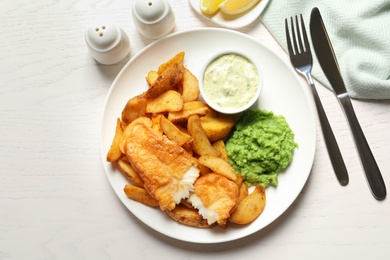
(360, 34)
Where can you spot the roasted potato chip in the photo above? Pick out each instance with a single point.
(242, 192)
(189, 108)
(135, 108)
(188, 216)
(130, 173)
(188, 149)
(169, 101)
(203, 170)
(178, 58)
(211, 113)
(156, 125)
(200, 144)
(220, 146)
(166, 81)
(218, 165)
(174, 133)
(151, 77)
(250, 207)
(140, 195)
(242, 187)
(181, 128)
(190, 86)
(115, 152)
(185, 203)
(239, 180)
(217, 128)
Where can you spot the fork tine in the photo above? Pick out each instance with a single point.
(297, 30)
(293, 31)
(299, 33)
(307, 45)
(290, 50)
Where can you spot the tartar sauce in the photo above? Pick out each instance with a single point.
(230, 81)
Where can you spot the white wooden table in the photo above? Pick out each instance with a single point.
(55, 200)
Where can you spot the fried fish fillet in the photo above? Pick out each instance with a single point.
(215, 197)
(167, 170)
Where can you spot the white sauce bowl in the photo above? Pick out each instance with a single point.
(234, 92)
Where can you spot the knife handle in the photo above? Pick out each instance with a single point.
(370, 166)
(330, 141)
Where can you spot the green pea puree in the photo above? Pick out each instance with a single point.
(261, 145)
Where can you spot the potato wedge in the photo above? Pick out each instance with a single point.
(174, 133)
(239, 180)
(190, 86)
(151, 77)
(203, 170)
(189, 108)
(242, 192)
(140, 195)
(188, 216)
(156, 125)
(169, 101)
(217, 128)
(178, 58)
(188, 149)
(115, 152)
(242, 187)
(167, 80)
(220, 146)
(181, 128)
(185, 203)
(135, 108)
(250, 207)
(200, 144)
(218, 165)
(130, 174)
(211, 113)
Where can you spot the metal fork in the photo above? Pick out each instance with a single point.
(302, 60)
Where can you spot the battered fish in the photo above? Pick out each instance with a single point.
(215, 197)
(167, 170)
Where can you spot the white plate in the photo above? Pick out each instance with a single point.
(282, 93)
(232, 21)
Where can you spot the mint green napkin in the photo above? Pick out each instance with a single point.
(360, 34)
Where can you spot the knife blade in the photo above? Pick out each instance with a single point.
(328, 62)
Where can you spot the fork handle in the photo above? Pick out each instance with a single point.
(370, 166)
(330, 140)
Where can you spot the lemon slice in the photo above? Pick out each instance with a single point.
(237, 6)
(210, 6)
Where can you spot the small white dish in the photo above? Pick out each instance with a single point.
(153, 18)
(108, 44)
(240, 98)
(232, 21)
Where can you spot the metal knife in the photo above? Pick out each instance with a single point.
(327, 59)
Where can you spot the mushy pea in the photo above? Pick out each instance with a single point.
(261, 145)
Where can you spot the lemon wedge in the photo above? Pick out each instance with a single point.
(236, 6)
(210, 6)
